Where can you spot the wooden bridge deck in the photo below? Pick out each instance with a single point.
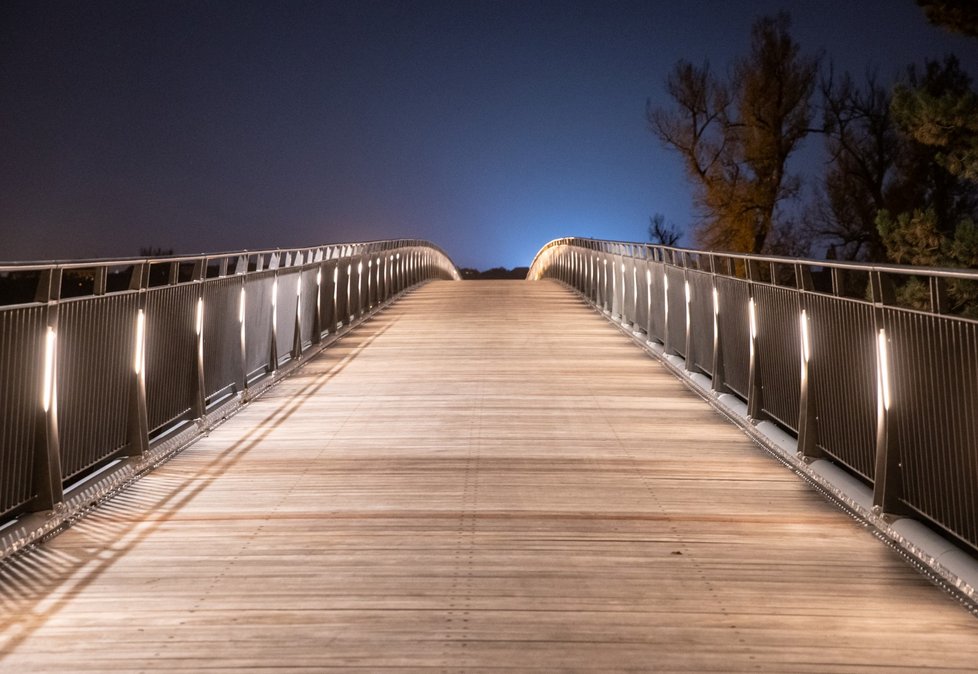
(485, 476)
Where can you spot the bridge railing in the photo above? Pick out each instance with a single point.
(101, 359)
(827, 350)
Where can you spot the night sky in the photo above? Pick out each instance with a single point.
(489, 128)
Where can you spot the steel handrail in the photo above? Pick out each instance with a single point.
(107, 375)
(885, 391)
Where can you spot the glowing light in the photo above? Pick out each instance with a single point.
(274, 294)
(752, 309)
(648, 277)
(716, 302)
(199, 324)
(806, 347)
(884, 371)
(336, 274)
(689, 294)
(138, 356)
(319, 277)
(241, 307)
(48, 390)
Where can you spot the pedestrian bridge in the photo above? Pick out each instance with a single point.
(344, 459)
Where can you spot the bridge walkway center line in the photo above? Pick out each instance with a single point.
(487, 475)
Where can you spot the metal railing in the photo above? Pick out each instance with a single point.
(823, 349)
(102, 359)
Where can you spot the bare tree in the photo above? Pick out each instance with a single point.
(661, 233)
(735, 137)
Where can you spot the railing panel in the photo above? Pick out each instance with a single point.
(288, 284)
(343, 292)
(258, 323)
(96, 347)
(327, 297)
(22, 336)
(657, 302)
(630, 303)
(843, 380)
(934, 406)
(677, 309)
(733, 323)
(308, 300)
(779, 358)
(642, 297)
(171, 352)
(222, 334)
(701, 321)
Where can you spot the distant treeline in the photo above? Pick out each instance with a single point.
(495, 273)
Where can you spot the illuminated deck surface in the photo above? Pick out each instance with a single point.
(484, 476)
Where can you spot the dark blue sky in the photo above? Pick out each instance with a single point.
(487, 127)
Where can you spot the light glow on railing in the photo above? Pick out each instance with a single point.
(665, 295)
(884, 369)
(241, 307)
(689, 294)
(716, 302)
(752, 308)
(274, 294)
(47, 395)
(139, 351)
(806, 345)
(199, 322)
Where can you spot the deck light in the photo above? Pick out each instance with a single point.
(752, 308)
(199, 323)
(806, 346)
(138, 357)
(319, 278)
(665, 295)
(884, 369)
(241, 307)
(716, 302)
(48, 390)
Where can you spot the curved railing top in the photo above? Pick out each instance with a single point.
(18, 278)
(875, 283)
(298, 255)
(691, 257)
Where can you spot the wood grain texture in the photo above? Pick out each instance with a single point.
(486, 476)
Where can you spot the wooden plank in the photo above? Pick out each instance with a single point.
(486, 476)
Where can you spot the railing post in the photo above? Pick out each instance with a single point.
(807, 418)
(242, 383)
(754, 385)
(317, 316)
(47, 447)
(888, 481)
(272, 361)
(297, 323)
(198, 403)
(688, 299)
(717, 383)
(666, 341)
(138, 423)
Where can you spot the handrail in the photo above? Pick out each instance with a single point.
(887, 392)
(108, 359)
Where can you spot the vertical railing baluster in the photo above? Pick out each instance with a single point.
(754, 385)
(888, 480)
(138, 422)
(198, 402)
(47, 447)
(807, 416)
